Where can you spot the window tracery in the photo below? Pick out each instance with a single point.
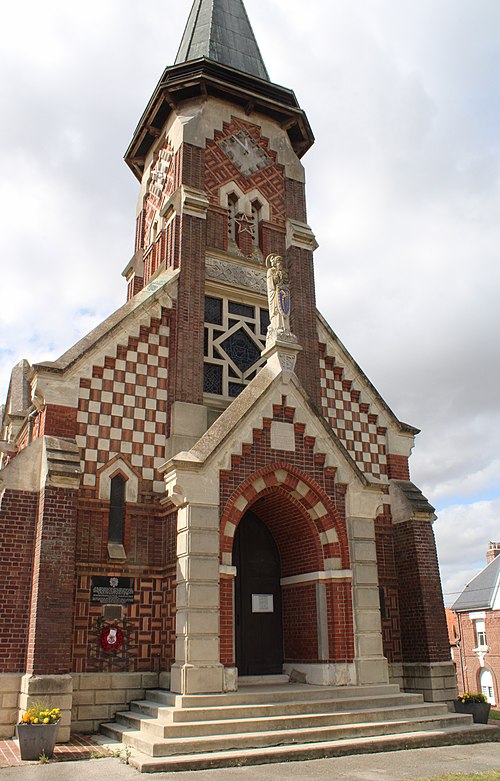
(235, 335)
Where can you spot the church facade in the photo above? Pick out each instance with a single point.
(207, 486)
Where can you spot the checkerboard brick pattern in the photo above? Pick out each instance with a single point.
(350, 417)
(122, 408)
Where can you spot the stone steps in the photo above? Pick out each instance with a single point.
(151, 726)
(261, 724)
(161, 747)
(270, 694)
(169, 715)
(292, 753)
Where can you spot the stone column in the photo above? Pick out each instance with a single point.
(197, 667)
(371, 664)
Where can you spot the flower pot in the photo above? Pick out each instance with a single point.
(479, 711)
(36, 739)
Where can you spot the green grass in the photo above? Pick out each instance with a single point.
(488, 775)
(495, 714)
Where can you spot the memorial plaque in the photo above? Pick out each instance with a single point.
(111, 590)
(262, 603)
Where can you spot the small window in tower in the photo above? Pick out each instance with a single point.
(383, 607)
(154, 232)
(256, 217)
(117, 510)
(232, 211)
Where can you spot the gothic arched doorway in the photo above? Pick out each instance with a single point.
(258, 616)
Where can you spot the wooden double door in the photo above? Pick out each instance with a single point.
(258, 609)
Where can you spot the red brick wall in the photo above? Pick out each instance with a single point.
(18, 514)
(297, 540)
(424, 636)
(149, 623)
(398, 467)
(468, 666)
(226, 621)
(51, 616)
(217, 232)
(303, 320)
(187, 365)
(300, 629)
(59, 421)
(388, 581)
(134, 286)
(150, 539)
(340, 620)
(295, 200)
(273, 242)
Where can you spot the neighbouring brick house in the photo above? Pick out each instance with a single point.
(149, 472)
(475, 632)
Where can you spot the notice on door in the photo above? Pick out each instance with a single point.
(262, 603)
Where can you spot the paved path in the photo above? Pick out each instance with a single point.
(391, 766)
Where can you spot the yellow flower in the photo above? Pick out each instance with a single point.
(35, 721)
(46, 720)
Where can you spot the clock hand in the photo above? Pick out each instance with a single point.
(243, 146)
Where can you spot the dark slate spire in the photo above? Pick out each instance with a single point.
(220, 30)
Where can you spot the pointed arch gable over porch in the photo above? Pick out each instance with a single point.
(272, 454)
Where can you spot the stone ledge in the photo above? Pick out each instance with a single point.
(97, 697)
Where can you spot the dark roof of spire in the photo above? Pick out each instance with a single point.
(220, 30)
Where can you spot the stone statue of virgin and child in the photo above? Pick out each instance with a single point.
(278, 296)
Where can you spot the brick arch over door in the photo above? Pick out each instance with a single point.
(307, 531)
(312, 506)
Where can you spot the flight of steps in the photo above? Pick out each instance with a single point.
(280, 722)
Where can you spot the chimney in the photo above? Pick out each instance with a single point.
(492, 552)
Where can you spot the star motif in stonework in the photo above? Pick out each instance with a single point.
(113, 582)
(245, 224)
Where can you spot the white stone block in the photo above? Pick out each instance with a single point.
(363, 550)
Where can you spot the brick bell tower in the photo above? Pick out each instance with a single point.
(217, 152)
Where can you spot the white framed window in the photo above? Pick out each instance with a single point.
(480, 631)
(487, 686)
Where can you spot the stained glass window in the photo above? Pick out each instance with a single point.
(235, 335)
(264, 321)
(235, 389)
(212, 378)
(241, 349)
(241, 309)
(213, 310)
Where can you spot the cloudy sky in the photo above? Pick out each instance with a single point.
(403, 189)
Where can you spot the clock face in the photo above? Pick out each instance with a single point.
(245, 154)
